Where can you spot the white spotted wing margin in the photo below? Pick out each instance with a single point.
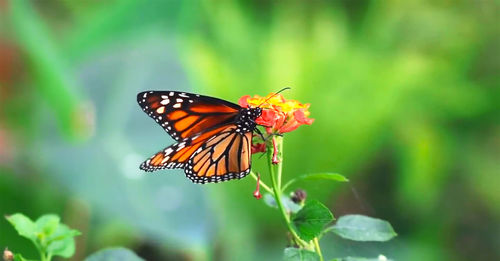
(162, 159)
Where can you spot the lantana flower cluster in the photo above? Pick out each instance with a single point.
(278, 114)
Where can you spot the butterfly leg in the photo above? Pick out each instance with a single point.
(260, 133)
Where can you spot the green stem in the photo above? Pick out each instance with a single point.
(267, 188)
(275, 169)
(318, 249)
(279, 146)
(42, 255)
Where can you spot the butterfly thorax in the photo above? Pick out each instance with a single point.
(246, 119)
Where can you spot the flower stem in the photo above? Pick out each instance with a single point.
(274, 171)
(42, 255)
(279, 144)
(318, 249)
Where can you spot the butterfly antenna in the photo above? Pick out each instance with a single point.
(284, 89)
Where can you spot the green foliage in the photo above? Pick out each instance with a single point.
(311, 219)
(316, 176)
(363, 228)
(19, 257)
(112, 254)
(49, 236)
(411, 85)
(297, 254)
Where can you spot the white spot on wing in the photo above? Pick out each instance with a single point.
(160, 110)
(177, 105)
(165, 101)
(165, 159)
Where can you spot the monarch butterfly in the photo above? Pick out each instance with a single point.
(214, 136)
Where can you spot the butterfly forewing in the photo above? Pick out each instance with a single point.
(183, 115)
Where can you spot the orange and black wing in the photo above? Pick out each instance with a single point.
(184, 115)
(223, 157)
(177, 154)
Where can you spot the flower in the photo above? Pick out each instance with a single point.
(258, 147)
(256, 193)
(278, 114)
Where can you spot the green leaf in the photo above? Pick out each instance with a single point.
(47, 233)
(19, 257)
(316, 176)
(23, 225)
(311, 219)
(114, 254)
(289, 205)
(363, 228)
(297, 254)
(62, 242)
(47, 224)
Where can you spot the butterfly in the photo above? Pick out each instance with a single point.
(213, 136)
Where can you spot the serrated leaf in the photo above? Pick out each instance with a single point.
(317, 176)
(311, 219)
(297, 254)
(47, 224)
(64, 247)
(363, 228)
(112, 254)
(62, 242)
(24, 225)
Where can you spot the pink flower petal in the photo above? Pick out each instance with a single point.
(301, 117)
(243, 101)
(259, 147)
(291, 125)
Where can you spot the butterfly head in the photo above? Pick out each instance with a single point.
(250, 114)
(246, 119)
(255, 112)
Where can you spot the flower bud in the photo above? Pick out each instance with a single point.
(299, 196)
(256, 193)
(8, 255)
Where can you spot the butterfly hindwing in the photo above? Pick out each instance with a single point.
(224, 157)
(183, 115)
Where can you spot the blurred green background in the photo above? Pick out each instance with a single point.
(405, 95)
